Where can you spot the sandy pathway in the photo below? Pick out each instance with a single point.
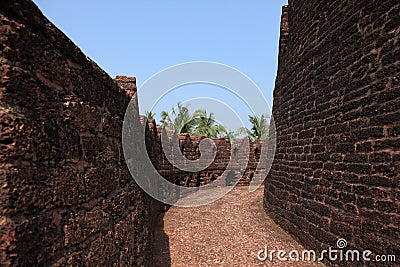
(228, 232)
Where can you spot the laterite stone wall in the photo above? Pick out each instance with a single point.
(336, 172)
(66, 195)
(189, 147)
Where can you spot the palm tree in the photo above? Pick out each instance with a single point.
(181, 120)
(150, 114)
(259, 129)
(206, 125)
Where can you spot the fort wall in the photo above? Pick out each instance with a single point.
(66, 195)
(337, 115)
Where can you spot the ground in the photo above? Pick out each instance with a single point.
(229, 232)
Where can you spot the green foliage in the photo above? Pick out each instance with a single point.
(259, 129)
(201, 123)
(205, 125)
(181, 120)
(150, 115)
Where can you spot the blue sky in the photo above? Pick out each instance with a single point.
(141, 38)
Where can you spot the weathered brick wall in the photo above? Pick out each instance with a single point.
(189, 147)
(66, 196)
(337, 114)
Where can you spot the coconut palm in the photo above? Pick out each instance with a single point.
(150, 114)
(206, 125)
(180, 120)
(259, 129)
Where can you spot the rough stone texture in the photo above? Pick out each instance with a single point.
(337, 114)
(189, 147)
(66, 196)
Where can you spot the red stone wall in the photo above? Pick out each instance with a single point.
(337, 113)
(189, 146)
(66, 196)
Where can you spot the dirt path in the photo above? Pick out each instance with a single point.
(228, 232)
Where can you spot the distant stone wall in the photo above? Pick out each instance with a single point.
(189, 147)
(66, 195)
(336, 172)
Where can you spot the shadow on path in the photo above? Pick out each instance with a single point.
(161, 250)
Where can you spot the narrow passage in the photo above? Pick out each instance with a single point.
(228, 232)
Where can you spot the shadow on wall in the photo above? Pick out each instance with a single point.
(161, 251)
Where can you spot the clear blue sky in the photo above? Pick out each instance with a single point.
(141, 38)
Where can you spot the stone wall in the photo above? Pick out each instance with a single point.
(337, 114)
(189, 147)
(66, 195)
